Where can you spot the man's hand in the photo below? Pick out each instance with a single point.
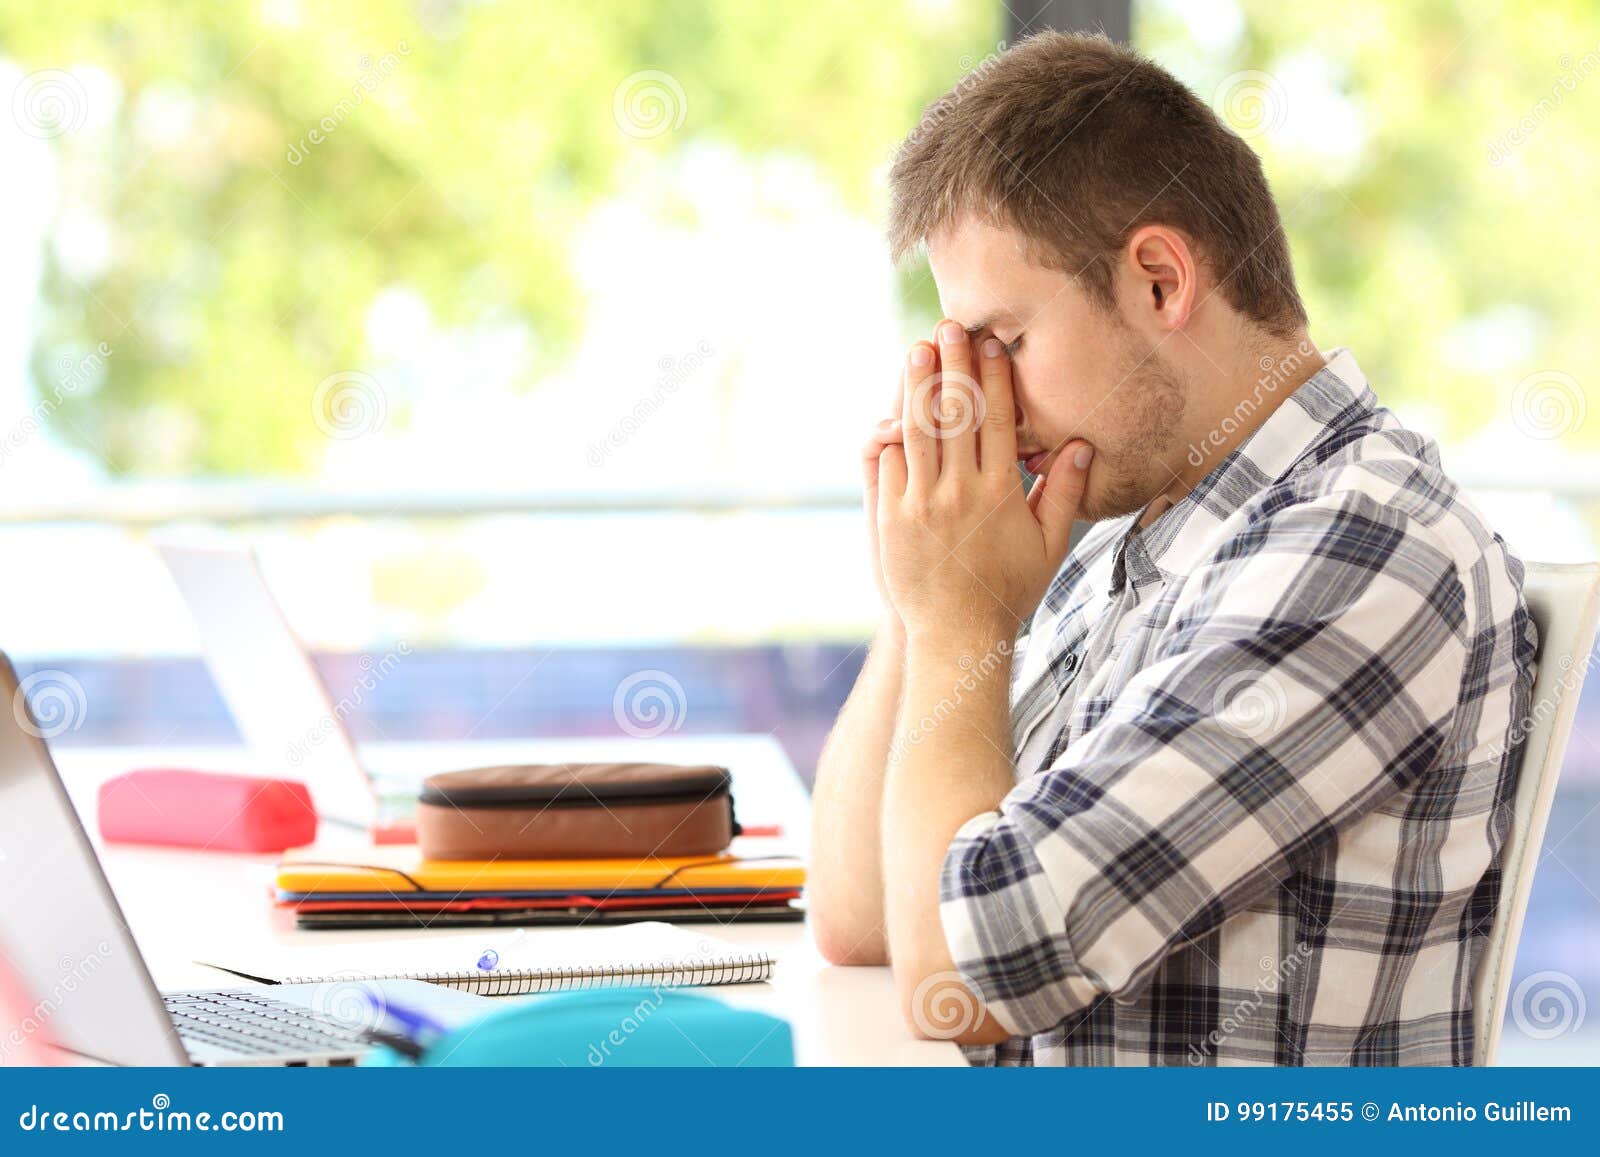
(885, 433)
(965, 555)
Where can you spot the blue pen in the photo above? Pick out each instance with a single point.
(412, 1021)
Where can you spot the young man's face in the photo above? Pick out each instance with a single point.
(1078, 371)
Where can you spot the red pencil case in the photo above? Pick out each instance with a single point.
(206, 809)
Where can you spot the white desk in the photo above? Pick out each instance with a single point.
(179, 903)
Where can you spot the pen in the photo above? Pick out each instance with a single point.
(412, 1021)
(403, 1045)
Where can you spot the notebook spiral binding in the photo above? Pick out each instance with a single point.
(745, 969)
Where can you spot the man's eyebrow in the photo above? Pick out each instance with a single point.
(988, 322)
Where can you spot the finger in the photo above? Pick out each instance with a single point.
(997, 433)
(1061, 496)
(921, 447)
(891, 476)
(885, 433)
(959, 406)
(1035, 493)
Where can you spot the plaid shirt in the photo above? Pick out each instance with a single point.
(1265, 755)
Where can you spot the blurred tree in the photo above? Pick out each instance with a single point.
(1435, 164)
(265, 170)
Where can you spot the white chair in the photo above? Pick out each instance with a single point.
(1565, 604)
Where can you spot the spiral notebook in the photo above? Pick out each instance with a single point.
(515, 962)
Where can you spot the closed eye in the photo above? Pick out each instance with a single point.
(1013, 346)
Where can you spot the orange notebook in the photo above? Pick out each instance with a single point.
(386, 870)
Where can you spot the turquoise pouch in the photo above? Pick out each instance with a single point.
(630, 1027)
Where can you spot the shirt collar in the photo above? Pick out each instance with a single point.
(1331, 400)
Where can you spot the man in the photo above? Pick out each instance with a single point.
(1227, 784)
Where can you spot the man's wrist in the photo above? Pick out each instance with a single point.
(891, 633)
(963, 647)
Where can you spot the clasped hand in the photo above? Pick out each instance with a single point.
(962, 554)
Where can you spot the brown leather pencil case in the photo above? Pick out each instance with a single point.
(560, 811)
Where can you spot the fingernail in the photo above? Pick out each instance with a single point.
(886, 424)
(950, 333)
(921, 355)
(992, 348)
(1082, 457)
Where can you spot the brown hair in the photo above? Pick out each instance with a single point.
(1076, 142)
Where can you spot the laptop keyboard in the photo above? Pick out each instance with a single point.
(252, 1024)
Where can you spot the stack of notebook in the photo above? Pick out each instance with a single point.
(394, 887)
(645, 954)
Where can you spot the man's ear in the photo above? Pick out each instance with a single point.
(1164, 274)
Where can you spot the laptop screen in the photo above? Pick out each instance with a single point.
(61, 931)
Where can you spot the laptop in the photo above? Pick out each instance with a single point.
(274, 693)
(63, 936)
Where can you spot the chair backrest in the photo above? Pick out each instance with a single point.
(1565, 604)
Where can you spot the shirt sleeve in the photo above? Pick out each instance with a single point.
(1309, 671)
